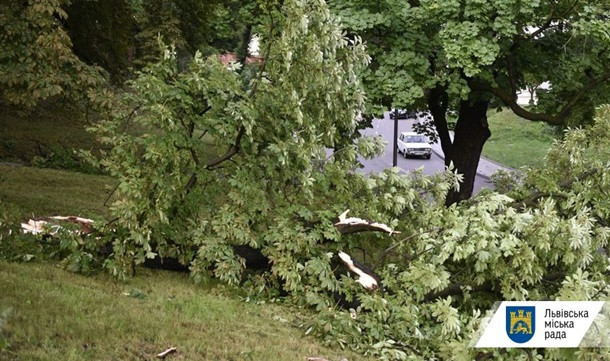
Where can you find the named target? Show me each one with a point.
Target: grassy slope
(57, 315)
(23, 136)
(517, 142)
(45, 192)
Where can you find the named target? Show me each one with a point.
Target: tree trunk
(438, 102)
(471, 133)
(243, 49)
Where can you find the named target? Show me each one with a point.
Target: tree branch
(565, 185)
(487, 286)
(230, 153)
(548, 23)
(389, 249)
(509, 99)
(457, 289)
(127, 119)
(348, 225)
(512, 78)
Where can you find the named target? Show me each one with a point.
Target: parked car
(414, 145)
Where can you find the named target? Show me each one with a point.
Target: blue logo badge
(520, 323)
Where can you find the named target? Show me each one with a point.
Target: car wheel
(428, 156)
(405, 154)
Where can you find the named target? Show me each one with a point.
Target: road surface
(435, 164)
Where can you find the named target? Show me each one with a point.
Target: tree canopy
(36, 61)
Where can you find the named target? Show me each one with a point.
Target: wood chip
(166, 352)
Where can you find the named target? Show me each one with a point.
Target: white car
(415, 145)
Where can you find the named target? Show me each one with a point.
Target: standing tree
(102, 34)
(191, 25)
(462, 54)
(36, 60)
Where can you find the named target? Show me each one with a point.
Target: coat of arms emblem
(520, 323)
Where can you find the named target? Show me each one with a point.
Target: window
(417, 139)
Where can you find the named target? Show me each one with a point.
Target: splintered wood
(348, 225)
(50, 225)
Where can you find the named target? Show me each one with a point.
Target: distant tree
(191, 25)
(239, 20)
(102, 34)
(215, 24)
(463, 54)
(157, 18)
(36, 58)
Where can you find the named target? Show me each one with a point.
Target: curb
(505, 167)
(483, 175)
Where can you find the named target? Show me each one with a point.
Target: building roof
(227, 58)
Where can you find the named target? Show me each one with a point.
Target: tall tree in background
(462, 54)
(157, 18)
(52, 48)
(191, 25)
(36, 58)
(102, 33)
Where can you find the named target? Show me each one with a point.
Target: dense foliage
(209, 157)
(180, 199)
(52, 48)
(36, 59)
(545, 239)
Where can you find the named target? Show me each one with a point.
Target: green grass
(51, 314)
(45, 192)
(26, 135)
(517, 142)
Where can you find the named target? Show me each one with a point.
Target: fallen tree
(217, 160)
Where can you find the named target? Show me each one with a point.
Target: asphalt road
(435, 164)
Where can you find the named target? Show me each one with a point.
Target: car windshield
(417, 139)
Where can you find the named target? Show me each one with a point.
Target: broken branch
(347, 225)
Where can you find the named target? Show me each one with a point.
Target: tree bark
(471, 133)
(244, 46)
(438, 102)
